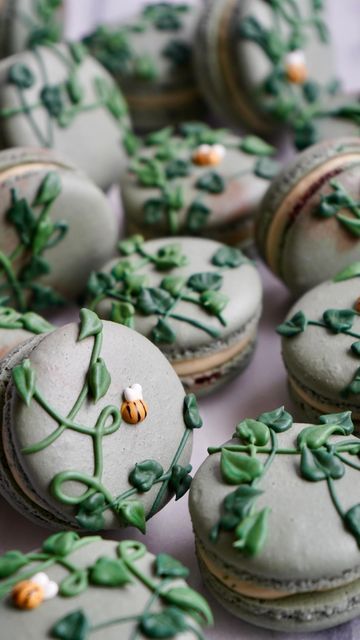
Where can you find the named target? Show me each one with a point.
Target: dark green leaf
(60, 544)
(99, 283)
(320, 464)
(351, 224)
(36, 324)
(315, 437)
(74, 584)
(77, 50)
(279, 420)
(131, 143)
(22, 217)
(168, 567)
(238, 505)
(205, 281)
(144, 474)
(99, 379)
(90, 324)
(177, 168)
(191, 413)
(237, 468)
(180, 480)
(305, 135)
(297, 324)
(166, 624)
(11, 562)
(49, 189)
(170, 256)
(191, 601)
(162, 333)
(159, 137)
(355, 348)
(266, 168)
(35, 268)
(311, 91)
(120, 271)
(134, 282)
(132, 513)
(197, 216)
(229, 257)
(154, 210)
(253, 432)
(251, 533)
(251, 29)
(152, 301)
(256, 146)
(178, 51)
(211, 182)
(109, 572)
(43, 232)
(353, 271)
(131, 244)
(52, 99)
(339, 320)
(21, 75)
(24, 379)
(123, 313)
(214, 301)
(74, 89)
(150, 173)
(90, 512)
(74, 626)
(354, 387)
(352, 522)
(341, 419)
(44, 297)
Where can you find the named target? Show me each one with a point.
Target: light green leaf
(24, 379)
(251, 533)
(90, 324)
(353, 271)
(133, 513)
(253, 432)
(60, 544)
(49, 189)
(168, 567)
(11, 562)
(256, 146)
(279, 420)
(237, 468)
(109, 572)
(205, 281)
(191, 602)
(339, 320)
(99, 379)
(162, 333)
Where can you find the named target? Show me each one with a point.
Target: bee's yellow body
(27, 594)
(134, 411)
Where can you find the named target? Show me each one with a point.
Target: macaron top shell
(310, 209)
(203, 269)
(320, 357)
(90, 583)
(300, 542)
(79, 380)
(196, 179)
(67, 94)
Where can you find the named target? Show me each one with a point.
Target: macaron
(308, 227)
(79, 588)
(197, 180)
(85, 438)
(197, 300)
(275, 513)
(16, 328)
(25, 24)
(321, 347)
(271, 68)
(54, 223)
(151, 57)
(59, 97)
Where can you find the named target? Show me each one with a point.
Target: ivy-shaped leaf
(90, 513)
(342, 419)
(159, 137)
(237, 505)
(99, 379)
(192, 602)
(354, 387)
(44, 297)
(132, 513)
(297, 324)
(266, 168)
(180, 480)
(169, 257)
(316, 437)
(279, 420)
(21, 76)
(229, 257)
(256, 146)
(355, 348)
(24, 379)
(74, 626)
(154, 210)
(214, 301)
(90, 324)
(166, 624)
(237, 468)
(150, 173)
(251, 533)
(178, 51)
(212, 182)
(36, 324)
(123, 313)
(145, 474)
(205, 281)
(173, 285)
(177, 168)
(11, 562)
(60, 544)
(168, 567)
(352, 522)
(197, 215)
(131, 143)
(191, 413)
(49, 189)
(109, 572)
(154, 300)
(353, 271)
(253, 432)
(22, 217)
(162, 333)
(320, 464)
(131, 244)
(338, 320)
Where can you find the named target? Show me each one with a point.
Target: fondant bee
(29, 594)
(134, 409)
(357, 305)
(295, 66)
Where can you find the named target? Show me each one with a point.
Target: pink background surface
(262, 386)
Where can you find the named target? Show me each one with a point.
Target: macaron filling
(318, 402)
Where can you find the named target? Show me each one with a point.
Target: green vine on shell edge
(320, 459)
(333, 204)
(41, 25)
(96, 499)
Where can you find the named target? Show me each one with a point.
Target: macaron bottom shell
(305, 612)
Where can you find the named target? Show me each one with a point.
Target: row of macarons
(275, 480)
(260, 63)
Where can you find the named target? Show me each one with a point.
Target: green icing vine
(180, 605)
(41, 25)
(164, 170)
(320, 459)
(297, 100)
(333, 204)
(29, 321)
(96, 499)
(130, 294)
(36, 234)
(115, 50)
(335, 322)
(61, 103)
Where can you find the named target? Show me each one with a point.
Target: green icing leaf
(354, 387)
(178, 51)
(74, 584)
(131, 143)
(197, 216)
(191, 413)
(251, 533)
(44, 297)
(90, 513)
(180, 480)
(191, 601)
(159, 137)
(173, 285)
(315, 437)
(205, 281)
(256, 146)
(109, 572)
(353, 271)
(214, 301)
(74, 626)
(279, 420)
(237, 505)
(154, 210)
(355, 348)
(211, 182)
(177, 169)
(174, 198)
(339, 320)
(352, 522)
(134, 282)
(311, 91)
(237, 468)
(52, 100)
(74, 89)
(351, 224)
(320, 464)
(162, 333)
(253, 432)
(170, 256)
(149, 172)
(166, 624)
(123, 313)
(22, 217)
(36, 324)
(229, 257)
(49, 189)
(132, 513)
(99, 379)
(266, 168)
(11, 562)
(145, 68)
(145, 474)
(60, 544)
(24, 379)
(90, 324)
(153, 300)
(296, 324)
(36, 267)
(21, 76)
(168, 567)
(130, 245)
(341, 419)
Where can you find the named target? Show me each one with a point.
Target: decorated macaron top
(194, 177)
(182, 293)
(123, 588)
(154, 46)
(280, 491)
(321, 342)
(98, 418)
